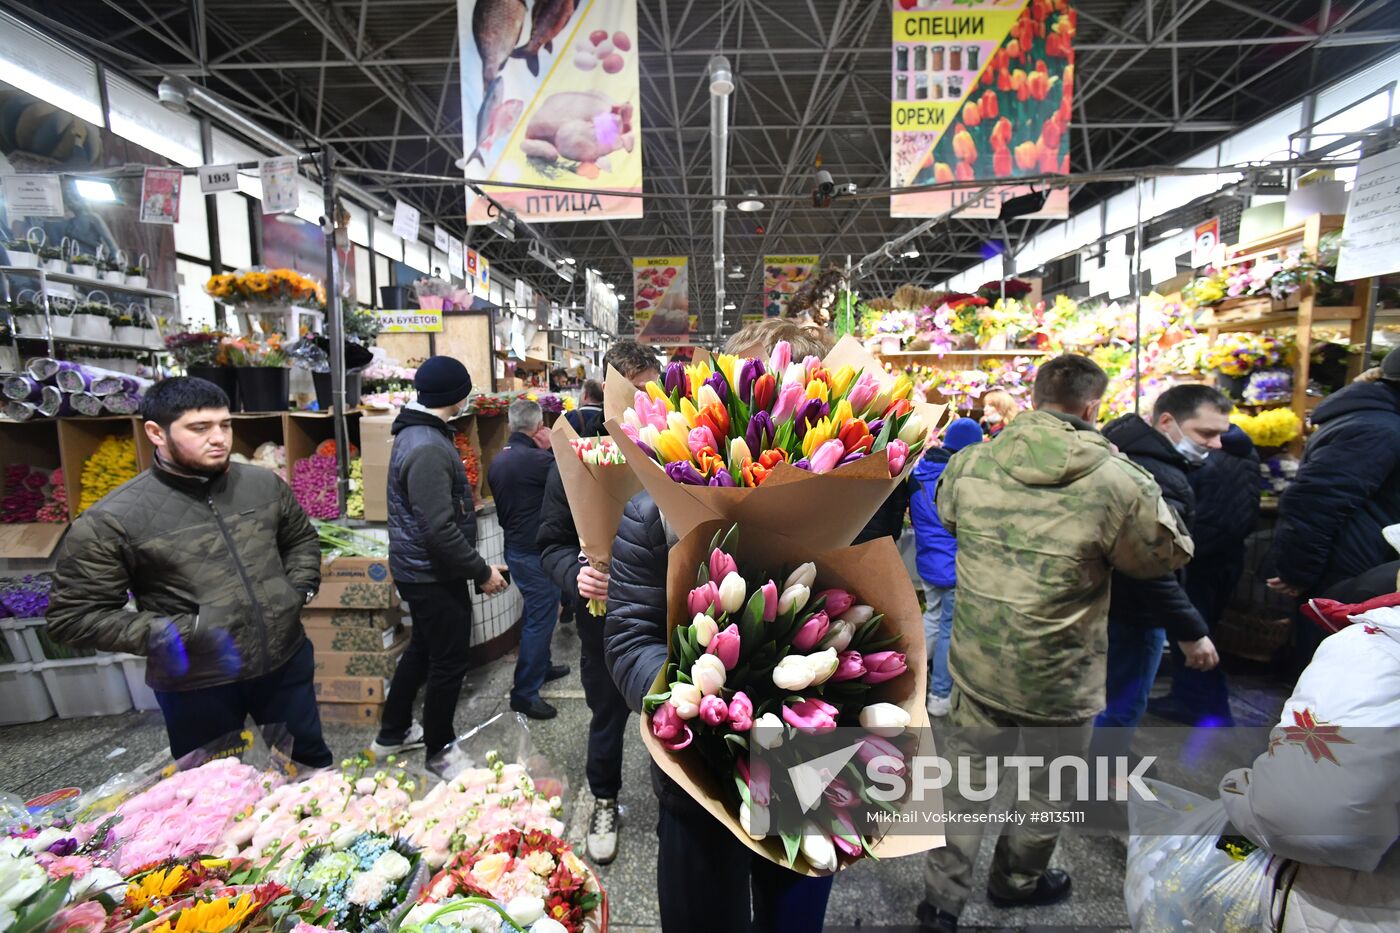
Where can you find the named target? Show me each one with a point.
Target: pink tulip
(884, 665)
(770, 600)
(846, 827)
(721, 565)
(87, 917)
(759, 778)
(849, 666)
(703, 597)
(863, 392)
(780, 358)
(789, 397)
(811, 632)
(725, 646)
(837, 601)
(873, 747)
(827, 457)
(699, 439)
(838, 793)
(714, 711)
(669, 728)
(898, 453)
(814, 717)
(741, 712)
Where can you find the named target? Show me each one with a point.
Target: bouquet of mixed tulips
(755, 664)
(707, 437)
(598, 483)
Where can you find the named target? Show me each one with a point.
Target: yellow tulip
(657, 393)
(671, 446)
(697, 373)
(818, 389)
(841, 380)
(903, 388)
(817, 434)
(689, 411)
(841, 413)
(675, 421)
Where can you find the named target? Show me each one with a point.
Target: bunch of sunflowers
(266, 286)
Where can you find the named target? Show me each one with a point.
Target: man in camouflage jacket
(220, 559)
(1042, 517)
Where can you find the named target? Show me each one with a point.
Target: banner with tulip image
(597, 483)
(981, 90)
(760, 671)
(761, 441)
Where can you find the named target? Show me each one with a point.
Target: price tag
(405, 220)
(441, 239)
(214, 178)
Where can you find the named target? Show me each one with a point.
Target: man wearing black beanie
(433, 558)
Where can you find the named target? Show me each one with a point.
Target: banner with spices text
(981, 89)
(661, 301)
(552, 98)
(782, 277)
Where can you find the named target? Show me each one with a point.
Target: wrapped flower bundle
(184, 814)
(25, 598)
(706, 439)
(362, 880)
(1273, 428)
(760, 660)
(33, 495)
(597, 483)
(113, 463)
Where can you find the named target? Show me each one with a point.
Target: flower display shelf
(34, 443)
(1280, 319)
(960, 354)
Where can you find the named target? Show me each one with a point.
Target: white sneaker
(414, 739)
(601, 844)
(938, 706)
(451, 762)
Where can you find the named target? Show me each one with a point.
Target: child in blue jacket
(937, 556)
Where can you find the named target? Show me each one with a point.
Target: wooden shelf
(1278, 319)
(956, 354)
(1287, 236)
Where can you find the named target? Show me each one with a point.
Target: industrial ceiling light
(751, 202)
(721, 77)
(735, 272)
(730, 306)
(1023, 205)
(1172, 232)
(569, 260)
(911, 253)
(173, 95)
(92, 190)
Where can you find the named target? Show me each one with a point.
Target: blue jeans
(1134, 654)
(541, 615)
(938, 631)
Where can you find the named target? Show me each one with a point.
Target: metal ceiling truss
(378, 80)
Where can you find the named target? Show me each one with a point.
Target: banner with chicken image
(551, 96)
(981, 89)
(782, 277)
(661, 301)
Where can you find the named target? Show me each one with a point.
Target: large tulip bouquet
(757, 660)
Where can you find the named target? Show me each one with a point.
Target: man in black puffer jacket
(1347, 489)
(1187, 424)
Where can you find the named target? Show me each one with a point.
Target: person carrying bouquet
(706, 879)
(937, 554)
(1042, 517)
(580, 582)
(220, 559)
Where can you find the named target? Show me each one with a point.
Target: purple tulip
(722, 478)
(849, 666)
(838, 793)
(808, 414)
(684, 472)
(716, 382)
(760, 433)
(804, 464)
(837, 601)
(675, 378)
(876, 426)
(749, 371)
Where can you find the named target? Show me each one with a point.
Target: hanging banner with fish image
(551, 96)
(981, 90)
(661, 301)
(782, 277)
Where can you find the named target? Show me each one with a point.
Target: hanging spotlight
(93, 190)
(721, 77)
(1023, 205)
(911, 253)
(751, 202)
(735, 272)
(173, 95)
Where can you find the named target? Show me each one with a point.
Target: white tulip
(857, 615)
(840, 634)
(686, 699)
(768, 731)
(706, 395)
(822, 665)
(795, 372)
(792, 673)
(818, 850)
(525, 909)
(913, 430)
(794, 597)
(754, 821)
(732, 592)
(705, 629)
(708, 675)
(675, 421)
(805, 575)
(548, 925)
(884, 719)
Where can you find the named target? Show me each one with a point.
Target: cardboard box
(375, 488)
(359, 663)
(351, 714)
(352, 639)
(378, 619)
(354, 569)
(376, 441)
(351, 689)
(355, 595)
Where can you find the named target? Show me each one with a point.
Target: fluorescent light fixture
(730, 306)
(751, 202)
(93, 190)
(1172, 232)
(569, 260)
(911, 254)
(611, 286)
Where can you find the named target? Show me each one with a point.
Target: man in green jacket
(220, 559)
(1042, 518)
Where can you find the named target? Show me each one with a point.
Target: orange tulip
(942, 174)
(1001, 133)
(1050, 133)
(1013, 49)
(1026, 156)
(988, 107)
(1049, 158)
(963, 146)
(854, 435)
(1001, 162)
(715, 417)
(971, 115)
(964, 172)
(1041, 67)
(1003, 80)
(1038, 85)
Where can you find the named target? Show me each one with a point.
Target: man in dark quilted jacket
(220, 559)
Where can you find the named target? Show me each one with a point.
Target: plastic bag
(304, 354)
(1176, 876)
(505, 736)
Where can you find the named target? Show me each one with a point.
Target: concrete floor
(879, 896)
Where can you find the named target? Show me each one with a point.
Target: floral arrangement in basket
(1273, 428)
(1238, 355)
(266, 286)
(362, 879)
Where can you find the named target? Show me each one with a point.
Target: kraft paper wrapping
(597, 494)
(875, 574)
(830, 508)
